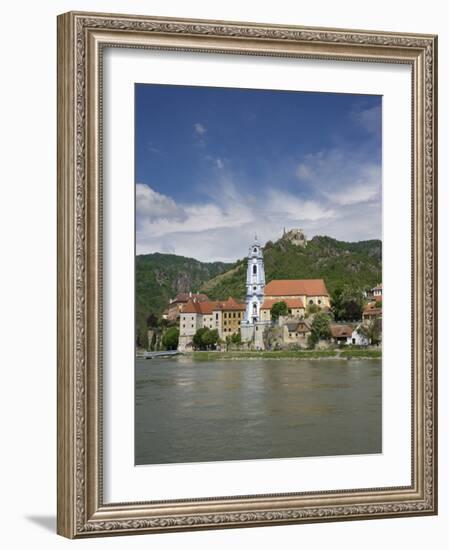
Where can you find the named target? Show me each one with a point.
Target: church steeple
(255, 282)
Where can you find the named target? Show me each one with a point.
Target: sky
(216, 166)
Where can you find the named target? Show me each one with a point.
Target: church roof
(207, 308)
(292, 303)
(296, 287)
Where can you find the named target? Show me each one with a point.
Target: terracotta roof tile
(184, 297)
(191, 307)
(340, 331)
(292, 303)
(296, 287)
(208, 307)
(372, 309)
(231, 304)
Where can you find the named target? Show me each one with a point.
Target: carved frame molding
(81, 39)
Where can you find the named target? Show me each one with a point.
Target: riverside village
(285, 317)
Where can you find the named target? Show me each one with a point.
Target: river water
(201, 411)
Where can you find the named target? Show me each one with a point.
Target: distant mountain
(160, 277)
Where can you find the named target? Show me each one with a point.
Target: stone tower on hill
(295, 236)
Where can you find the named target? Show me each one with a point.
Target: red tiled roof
(292, 303)
(191, 307)
(206, 308)
(296, 287)
(184, 297)
(340, 331)
(230, 305)
(372, 309)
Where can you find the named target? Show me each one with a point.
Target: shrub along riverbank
(302, 354)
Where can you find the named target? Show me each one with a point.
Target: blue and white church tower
(255, 283)
(252, 327)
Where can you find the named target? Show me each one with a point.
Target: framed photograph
(247, 282)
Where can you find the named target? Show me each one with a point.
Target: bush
(170, 338)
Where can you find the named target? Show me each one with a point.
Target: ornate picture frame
(82, 38)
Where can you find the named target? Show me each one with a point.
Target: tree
(151, 321)
(142, 336)
(205, 338)
(210, 338)
(170, 338)
(320, 328)
(372, 331)
(198, 338)
(311, 309)
(278, 309)
(347, 303)
(153, 342)
(236, 338)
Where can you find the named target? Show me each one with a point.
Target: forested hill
(337, 262)
(160, 277)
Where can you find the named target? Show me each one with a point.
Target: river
(201, 411)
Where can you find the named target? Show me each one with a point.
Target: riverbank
(300, 354)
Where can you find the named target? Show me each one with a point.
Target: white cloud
(200, 129)
(303, 171)
(152, 206)
(292, 208)
(341, 177)
(339, 195)
(369, 119)
(221, 227)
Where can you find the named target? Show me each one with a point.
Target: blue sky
(214, 166)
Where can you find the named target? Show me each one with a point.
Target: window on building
(310, 302)
(254, 269)
(319, 301)
(255, 250)
(216, 316)
(183, 326)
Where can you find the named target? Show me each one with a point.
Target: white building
(255, 283)
(253, 326)
(357, 338)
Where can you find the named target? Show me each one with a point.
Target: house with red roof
(225, 316)
(180, 300)
(307, 291)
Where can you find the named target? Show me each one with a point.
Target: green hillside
(336, 262)
(160, 277)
